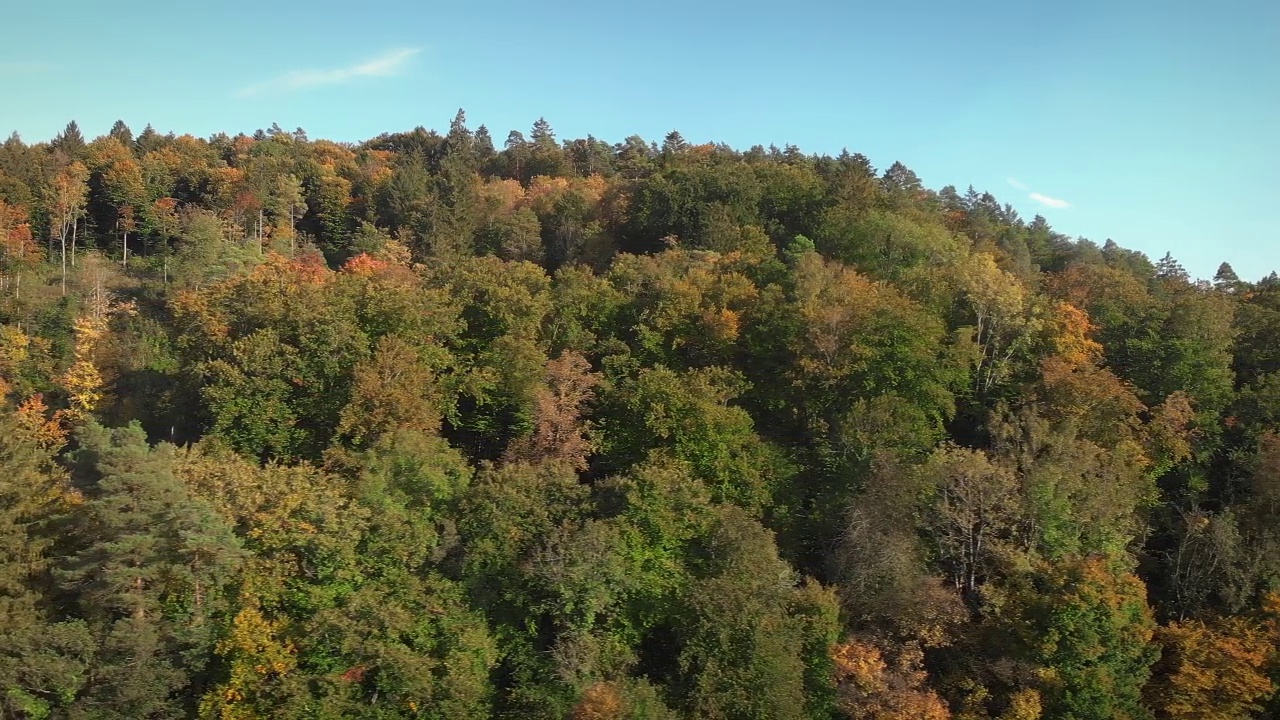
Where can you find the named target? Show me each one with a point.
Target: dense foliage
(423, 428)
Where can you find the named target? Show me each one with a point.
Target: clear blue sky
(1157, 122)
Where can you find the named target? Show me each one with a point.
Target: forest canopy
(433, 427)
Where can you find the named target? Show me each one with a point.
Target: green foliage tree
(1088, 628)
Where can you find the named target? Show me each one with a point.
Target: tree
(542, 132)
(749, 629)
(869, 689)
(70, 141)
(122, 133)
(672, 145)
(1170, 269)
(972, 514)
(392, 391)
(690, 414)
(148, 576)
(128, 223)
(331, 198)
(1225, 279)
(205, 253)
(1004, 321)
(65, 200)
(559, 432)
(287, 205)
(119, 187)
(166, 225)
(516, 156)
(1087, 626)
(901, 183)
(483, 143)
(1211, 671)
(42, 661)
(18, 250)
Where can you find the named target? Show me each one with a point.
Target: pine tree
(1226, 278)
(148, 576)
(40, 661)
(70, 140)
(121, 132)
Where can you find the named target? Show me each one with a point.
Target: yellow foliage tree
(1023, 705)
(1212, 671)
(1072, 337)
(1005, 317)
(255, 655)
(868, 688)
(82, 382)
(17, 246)
(13, 352)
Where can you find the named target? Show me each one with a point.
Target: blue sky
(1153, 123)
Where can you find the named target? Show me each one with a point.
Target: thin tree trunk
(17, 273)
(139, 612)
(64, 264)
(75, 225)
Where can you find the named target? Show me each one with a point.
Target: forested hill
(421, 428)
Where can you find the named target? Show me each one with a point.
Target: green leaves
(1089, 628)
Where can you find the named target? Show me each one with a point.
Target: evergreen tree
(121, 132)
(148, 577)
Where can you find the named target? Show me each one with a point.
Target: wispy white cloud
(1050, 201)
(384, 65)
(1038, 197)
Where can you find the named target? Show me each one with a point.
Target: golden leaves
(256, 653)
(868, 688)
(1072, 337)
(81, 381)
(502, 196)
(391, 391)
(1212, 671)
(33, 415)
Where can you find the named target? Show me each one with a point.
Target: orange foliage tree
(1212, 670)
(868, 688)
(558, 430)
(18, 250)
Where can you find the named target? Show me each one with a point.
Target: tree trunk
(139, 611)
(75, 225)
(64, 263)
(17, 272)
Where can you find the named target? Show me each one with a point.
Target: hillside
(427, 428)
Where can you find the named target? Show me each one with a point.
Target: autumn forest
(432, 426)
